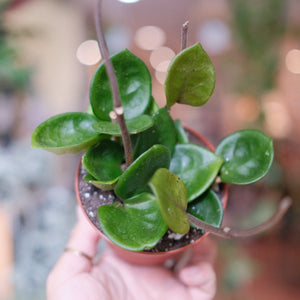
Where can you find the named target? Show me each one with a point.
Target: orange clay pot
(151, 258)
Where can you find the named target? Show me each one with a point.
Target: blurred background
(48, 54)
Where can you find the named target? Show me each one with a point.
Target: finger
(205, 251)
(200, 280)
(84, 238)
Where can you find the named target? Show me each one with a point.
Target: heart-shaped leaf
(248, 156)
(172, 198)
(134, 126)
(138, 174)
(136, 225)
(196, 166)
(163, 132)
(190, 77)
(67, 133)
(103, 185)
(134, 82)
(208, 208)
(182, 137)
(103, 161)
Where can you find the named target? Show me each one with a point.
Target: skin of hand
(76, 277)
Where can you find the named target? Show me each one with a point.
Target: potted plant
(151, 174)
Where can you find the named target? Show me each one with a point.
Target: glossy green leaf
(134, 126)
(66, 133)
(196, 166)
(153, 107)
(103, 185)
(208, 208)
(166, 130)
(248, 156)
(103, 161)
(172, 198)
(134, 82)
(163, 132)
(135, 225)
(182, 136)
(138, 174)
(190, 77)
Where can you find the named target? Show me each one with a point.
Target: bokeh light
(247, 108)
(215, 36)
(277, 119)
(117, 38)
(150, 37)
(88, 53)
(292, 61)
(160, 76)
(160, 58)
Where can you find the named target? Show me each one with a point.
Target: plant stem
(227, 232)
(184, 31)
(118, 109)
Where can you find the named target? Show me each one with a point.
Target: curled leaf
(134, 126)
(103, 185)
(103, 161)
(67, 133)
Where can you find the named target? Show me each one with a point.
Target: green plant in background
(13, 77)
(136, 149)
(14, 81)
(258, 27)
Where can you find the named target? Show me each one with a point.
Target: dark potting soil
(92, 197)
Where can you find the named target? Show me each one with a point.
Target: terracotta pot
(151, 258)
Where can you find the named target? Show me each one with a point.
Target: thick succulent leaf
(134, 126)
(190, 77)
(135, 225)
(196, 166)
(103, 185)
(182, 137)
(134, 82)
(66, 133)
(208, 208)
(103, 161)
(248, 156)
(163, 132)
(138, 174)
(172, 198)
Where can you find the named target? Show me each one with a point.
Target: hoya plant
(134, 148)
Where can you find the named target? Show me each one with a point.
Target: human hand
(76, 277)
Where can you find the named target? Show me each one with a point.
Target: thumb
(200, 279)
